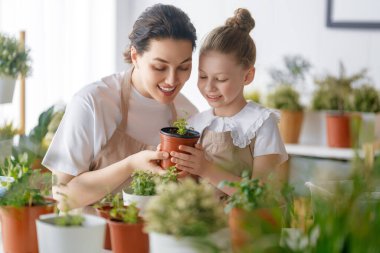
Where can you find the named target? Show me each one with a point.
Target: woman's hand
(147, 160)
(194, 162)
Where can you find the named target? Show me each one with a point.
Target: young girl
(236, 135)
(109, 125)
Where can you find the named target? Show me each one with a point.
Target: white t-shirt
(92, 116)
(252, 121)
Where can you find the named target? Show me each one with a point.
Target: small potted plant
(253, 95)
(7, 132)
(254, 215)
(21, 205)
(74, 233)
(182, 214)
(14, 60)
(126, 228)
(366, 101)
(143, 186)
(103, 208)
(333, 95)
(173, 137)
(286, 98)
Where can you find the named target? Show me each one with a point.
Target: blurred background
(74, 43)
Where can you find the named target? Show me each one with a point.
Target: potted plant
(74, 233)
(14, 60)
(7, 132)
(333, 95)
(366, 101)
(21, 205)
(126, 228)
(38, 140)
(253, 95)
(285, 96)
(103, 208)
(181, 215)
(173, 137)
(255, 217)
(143, 186)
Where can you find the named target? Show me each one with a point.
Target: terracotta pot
(128, 238)
(246, 227)
(37, 165)
(338, 130)
(18, 227)
(290, 125)
(104, 212)
(170, 141)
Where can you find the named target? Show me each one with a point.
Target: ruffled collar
(243, 125)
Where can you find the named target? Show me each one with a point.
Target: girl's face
(162, 70)
(221, 81)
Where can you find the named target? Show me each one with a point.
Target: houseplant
(14, 60)
(126, 228)
(182, 214)
(253, 95)
(173, 137)
(332, 95)
(75, 233)
(255, 218)
(143, 186)
(22, 204)
(7, 132)
(285, 96)
(103, 208)
(366, 101)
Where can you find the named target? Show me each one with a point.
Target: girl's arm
(88, 187)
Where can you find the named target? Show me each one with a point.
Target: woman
(109, 125)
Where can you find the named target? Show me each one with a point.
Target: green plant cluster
(126, 214)
(38, 140)
(365, 99)
(7, 131)
(185, 209)
(333, 93)
(69, 220)
(249, 193)
(253, 95)
(181, 125)
(285, 96)
(29, 186)
(13, 59)
(144, 182)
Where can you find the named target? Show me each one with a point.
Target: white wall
(76, 42)
(282, 28)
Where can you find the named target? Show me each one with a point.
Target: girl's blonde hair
(233, 38)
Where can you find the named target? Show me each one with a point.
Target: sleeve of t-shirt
(268, 140)
(72, 148)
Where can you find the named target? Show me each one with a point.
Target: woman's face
(162, 70)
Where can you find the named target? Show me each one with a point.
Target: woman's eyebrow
(165, 61)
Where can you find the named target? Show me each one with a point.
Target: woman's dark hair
(233, 38)
(160, 21)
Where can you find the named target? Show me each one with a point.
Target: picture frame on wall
(357, 14)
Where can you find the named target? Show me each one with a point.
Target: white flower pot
(141, 201)
(87, 238)
(7, 87)
(159, 243)
(4, 182)
(5, 149)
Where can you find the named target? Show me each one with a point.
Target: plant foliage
(7, 131)
(13, 59)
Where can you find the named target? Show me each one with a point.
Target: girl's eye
(202, 77)
(221, 80)
(184, 68)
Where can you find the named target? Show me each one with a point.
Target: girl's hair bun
(242, 20)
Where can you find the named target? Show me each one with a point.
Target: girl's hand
(194, 162)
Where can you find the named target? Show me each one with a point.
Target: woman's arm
(88, 187)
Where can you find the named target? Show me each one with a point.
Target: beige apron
(121, 145)
(220, 150)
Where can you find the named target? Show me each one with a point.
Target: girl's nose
(210, 86)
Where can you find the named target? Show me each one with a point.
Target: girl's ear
(134, 55)
(249, 76)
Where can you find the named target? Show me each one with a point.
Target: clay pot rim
(191, 134)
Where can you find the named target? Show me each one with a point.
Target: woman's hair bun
(242, 20)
